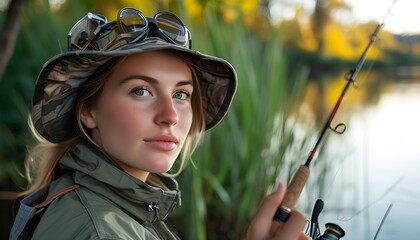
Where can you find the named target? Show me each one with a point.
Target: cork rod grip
(295, 187)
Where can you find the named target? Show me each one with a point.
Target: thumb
(261, 224)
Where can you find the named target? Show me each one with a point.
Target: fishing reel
(332, 231)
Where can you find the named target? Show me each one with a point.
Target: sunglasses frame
(151, 25)
(89, 18)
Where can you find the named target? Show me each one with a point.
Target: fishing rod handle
(292, 194)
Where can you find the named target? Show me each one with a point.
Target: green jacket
(109, 204)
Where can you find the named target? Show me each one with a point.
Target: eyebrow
(153, 80)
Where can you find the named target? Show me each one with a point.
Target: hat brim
(57, 88)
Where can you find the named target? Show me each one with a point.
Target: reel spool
(332, 232)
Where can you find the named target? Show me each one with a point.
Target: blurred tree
(298, 34)
(9, 32)
(322, 17)
(221, 195)
(335, 43)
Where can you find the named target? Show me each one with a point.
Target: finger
(276, 226)
(293, 228)
(261, 224)
(302, 236)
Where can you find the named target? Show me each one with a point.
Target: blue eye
(181, 95)
(142, 92)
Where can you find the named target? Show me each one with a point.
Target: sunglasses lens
(94, 32)
(173, 28)
(82, 32)
(132, 21)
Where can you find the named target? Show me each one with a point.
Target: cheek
(119, 120)
(128, 115)
(186, 118)
(189, 117)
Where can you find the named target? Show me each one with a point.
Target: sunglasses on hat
(94, 32)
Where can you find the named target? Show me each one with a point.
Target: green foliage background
(236, 164)
(259, 142)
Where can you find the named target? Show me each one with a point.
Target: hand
(263, 227)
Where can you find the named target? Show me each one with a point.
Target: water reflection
(375, 163)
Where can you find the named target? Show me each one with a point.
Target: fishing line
(388, 13)
(356, 84)
(298, 181)
(383, 220)
(346, 219)
(332, 181)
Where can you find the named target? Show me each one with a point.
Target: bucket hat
(58, 84)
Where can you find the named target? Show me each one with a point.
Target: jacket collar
(147, 202)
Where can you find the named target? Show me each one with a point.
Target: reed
(238, 162)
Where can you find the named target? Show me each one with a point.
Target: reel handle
(314, 227)
(292, 194)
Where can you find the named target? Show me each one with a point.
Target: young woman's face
(144, 113)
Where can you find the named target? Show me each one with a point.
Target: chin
(166, 169)
(162, 167)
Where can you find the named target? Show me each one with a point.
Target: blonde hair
(42, 160)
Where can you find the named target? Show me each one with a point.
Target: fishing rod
(298, 181)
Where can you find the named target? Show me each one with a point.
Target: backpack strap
(64, 191)
(31, 210)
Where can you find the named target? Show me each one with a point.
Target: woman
(112, 116)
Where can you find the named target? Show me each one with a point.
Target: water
(380, 170)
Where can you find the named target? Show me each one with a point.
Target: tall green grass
(240, 159)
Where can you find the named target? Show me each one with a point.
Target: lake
(375, 167)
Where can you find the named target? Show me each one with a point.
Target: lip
(162, 142)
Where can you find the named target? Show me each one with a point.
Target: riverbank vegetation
(260, 140)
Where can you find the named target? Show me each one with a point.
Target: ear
(88, 118)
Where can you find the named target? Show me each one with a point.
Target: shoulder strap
(31, 211)
(56, 195)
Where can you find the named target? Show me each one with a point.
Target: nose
(167, 113)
